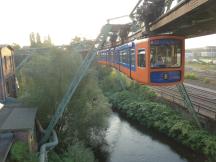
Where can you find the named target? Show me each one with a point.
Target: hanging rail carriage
(155, 61)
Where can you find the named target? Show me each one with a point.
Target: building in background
(7, 73)
(206, 54)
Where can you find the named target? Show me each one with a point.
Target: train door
(141, 62)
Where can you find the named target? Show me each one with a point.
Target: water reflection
(129, 143)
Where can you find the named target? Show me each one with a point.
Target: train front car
(155, 61)
(166, 60)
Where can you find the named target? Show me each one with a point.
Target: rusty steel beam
(178, 12)
(118, 27)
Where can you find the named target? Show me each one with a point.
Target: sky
(65, 19)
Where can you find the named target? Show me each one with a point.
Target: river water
(127, 142)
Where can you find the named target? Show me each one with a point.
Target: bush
(77, 152)
(191, 76)
(20, 153)
(206, 80)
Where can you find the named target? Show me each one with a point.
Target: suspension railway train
(155, 61)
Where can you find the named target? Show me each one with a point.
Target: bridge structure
(189, 18)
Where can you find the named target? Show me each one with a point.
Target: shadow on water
(106, 153)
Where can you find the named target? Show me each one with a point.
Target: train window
(108, 56)
(120, 57)
(132, 57)
(166, 53)
(103, 56)
(115, 57)
(141, 57)
(124, 57)
(98, 55)
(112, 57)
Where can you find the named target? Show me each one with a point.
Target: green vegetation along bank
(43, 82)
(139, 103)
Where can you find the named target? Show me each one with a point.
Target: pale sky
(64, 19)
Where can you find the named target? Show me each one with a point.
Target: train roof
(136, 41)
(126, 45)
(140, 40)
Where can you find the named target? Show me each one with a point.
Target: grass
(202, 66)
(206, 80)
(191, 76)
(20, 153)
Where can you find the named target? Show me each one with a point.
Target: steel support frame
(188, 103)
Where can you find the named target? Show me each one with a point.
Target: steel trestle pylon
(188, 103)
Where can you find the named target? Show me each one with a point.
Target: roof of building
(18, 119)
(15, 117)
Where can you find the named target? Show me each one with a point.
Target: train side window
(141, 57)
(178, 57)
(125, 56)
(108, 56)
(112, 57)
(98, 55)
(132, 57)
(121, 57)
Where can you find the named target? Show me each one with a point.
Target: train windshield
(166, 53)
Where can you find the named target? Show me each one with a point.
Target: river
(127, 142)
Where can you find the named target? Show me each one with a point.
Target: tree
(47, 41)
(32, 39)
(15, 46)
(76, 39)
(43, 82)
(35, 40)
(38, 39)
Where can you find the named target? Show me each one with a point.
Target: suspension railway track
(203, 99)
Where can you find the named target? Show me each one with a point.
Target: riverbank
(138, 103)
(164, 119)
